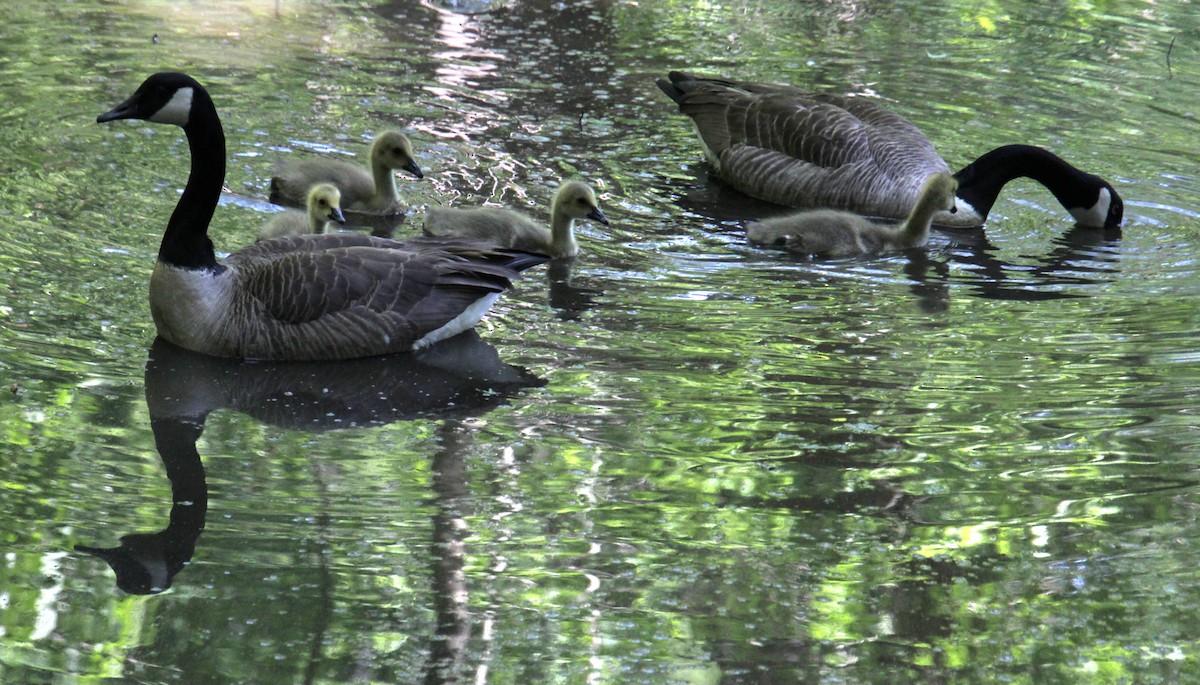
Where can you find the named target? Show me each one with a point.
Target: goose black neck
(979, 182)
(185, 243)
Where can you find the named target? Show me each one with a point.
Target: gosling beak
(597, 215)
(413, 169)
(335, 214)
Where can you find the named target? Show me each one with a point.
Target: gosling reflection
(568, 301)
(457, 378)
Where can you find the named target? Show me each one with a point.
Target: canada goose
(367, 192)
(838, 233)
(574, 200)
(780, 144)
(328, 296)
(323, 206)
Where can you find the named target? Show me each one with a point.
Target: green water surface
(689, 461)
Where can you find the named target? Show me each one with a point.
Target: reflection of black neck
(463, 376)
(146, 563)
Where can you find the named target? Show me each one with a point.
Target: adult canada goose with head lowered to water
(323, 206)
(799, 149)
(363, 191)
(310, 297)
(839, 233)
(574, 200)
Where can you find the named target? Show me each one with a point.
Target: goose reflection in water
(457, 378)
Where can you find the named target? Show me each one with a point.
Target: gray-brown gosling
(323, 207)
(506, 228)
(363, 191)
(837, 233)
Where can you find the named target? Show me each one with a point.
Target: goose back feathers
(799, 149)
(328, 296)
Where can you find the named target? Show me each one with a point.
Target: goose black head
(164, 98)
(1108, 211)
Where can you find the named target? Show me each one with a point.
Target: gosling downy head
(393, 150)
(577, 200)
(324, 204)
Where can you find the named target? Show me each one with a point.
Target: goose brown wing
(403, 289)
(782, 145)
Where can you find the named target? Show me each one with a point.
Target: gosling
(506, 228)
(323, 206)
(835, 233)
(363, 191)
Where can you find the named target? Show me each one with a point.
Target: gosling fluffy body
(363, 191)
(506, 228)
(323, 206)
(836, 233)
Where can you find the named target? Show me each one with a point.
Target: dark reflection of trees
(914, 595)
(459, 378)
(543, 42)
(447, 553)
(545, 56)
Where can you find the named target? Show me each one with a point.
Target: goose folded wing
(409, 289)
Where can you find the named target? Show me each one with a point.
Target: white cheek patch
(964, 208)
(1097, 214)
(176, 111)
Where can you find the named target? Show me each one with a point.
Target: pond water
(685, 460)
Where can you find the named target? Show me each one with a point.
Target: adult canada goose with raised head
(324, 205)
(839, 233)
(363, 191)
(784, 145)
(574, 200)
(328, 296)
